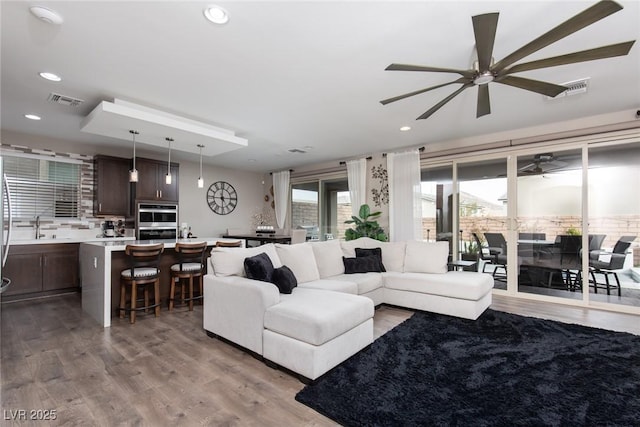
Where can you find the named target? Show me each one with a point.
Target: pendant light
(167, 177)
(133, 173)
(200, 180)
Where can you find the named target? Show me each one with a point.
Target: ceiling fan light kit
(485, 71)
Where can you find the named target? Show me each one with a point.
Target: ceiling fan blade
(544, 88)
(417, 92)
(484, 105)
(610, 51)
(587, 17)
(444, 101)
(407, 67)
(484, 29)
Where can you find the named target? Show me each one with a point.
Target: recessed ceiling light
(32, 117)
(50, 76)
(405, 128)
(46, 15)
(216, 14)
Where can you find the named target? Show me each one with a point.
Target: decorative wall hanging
(222, 198)
(380, 196)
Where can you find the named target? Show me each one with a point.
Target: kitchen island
(100, 266)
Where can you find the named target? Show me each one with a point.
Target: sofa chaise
(328, 316)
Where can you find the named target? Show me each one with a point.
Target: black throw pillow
(259, 267)
(362, 252)
(284, 279)
(365, 264)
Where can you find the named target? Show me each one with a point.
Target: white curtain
(281, 195)
(405, 206)
(357, 178)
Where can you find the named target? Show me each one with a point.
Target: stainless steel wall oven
(156, 221)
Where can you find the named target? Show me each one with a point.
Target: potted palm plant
(365, 225)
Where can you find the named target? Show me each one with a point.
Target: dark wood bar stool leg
(191, 257)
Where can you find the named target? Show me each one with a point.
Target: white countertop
(71, 240)
(119, 245)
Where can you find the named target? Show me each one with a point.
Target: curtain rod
(342, 163)
(290, 170)
(421, 149)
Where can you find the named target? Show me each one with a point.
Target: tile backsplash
(86, 226)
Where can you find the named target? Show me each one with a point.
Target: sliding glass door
(437, 202)
(482, 216)
(614, 224)
(305, 215)
(549, 217)
(559, 222)
(321, 207)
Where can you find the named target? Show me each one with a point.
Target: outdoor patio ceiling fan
(486, 71)
(542, 163)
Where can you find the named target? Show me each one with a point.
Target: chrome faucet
(38, 235)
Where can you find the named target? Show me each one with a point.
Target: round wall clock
(222, 198)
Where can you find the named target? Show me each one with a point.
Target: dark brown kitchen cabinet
(41, 269)
(112, 188)
(151, 183)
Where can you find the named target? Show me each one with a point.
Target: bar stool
(142, 274)
(229, 244)
(191, 264)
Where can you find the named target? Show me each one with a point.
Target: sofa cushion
(230, 261)
(376, 252)
(300, 259)
(328, 256)
(426, 257)
(316, 317)
(362, 265)
(467, 285)
(344, 286)
(349, 246)
(393, 255)
(258, 267)
(392, 252)
(284, 279)
(366, 282)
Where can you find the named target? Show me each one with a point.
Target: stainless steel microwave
(156, 221)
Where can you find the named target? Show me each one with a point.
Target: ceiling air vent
(64, 100)
(573, 88)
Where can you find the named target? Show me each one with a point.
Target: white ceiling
(305, 75)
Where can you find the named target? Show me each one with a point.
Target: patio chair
(610, 267)
(497, 246)
(595, 245)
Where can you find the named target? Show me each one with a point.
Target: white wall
(195, 211)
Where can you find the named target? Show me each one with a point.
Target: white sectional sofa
(328, 317)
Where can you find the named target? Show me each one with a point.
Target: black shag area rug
(500, 370)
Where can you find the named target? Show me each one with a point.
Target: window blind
(43, 187)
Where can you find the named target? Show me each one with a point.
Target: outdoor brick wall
(613, 226)
(306, 214)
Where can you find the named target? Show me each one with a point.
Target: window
(43, 187)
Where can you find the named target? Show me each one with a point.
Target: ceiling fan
(542, 163)
(485, 72)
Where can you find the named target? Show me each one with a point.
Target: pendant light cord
(134, 133)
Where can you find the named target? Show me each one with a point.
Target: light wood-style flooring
(166, 371)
